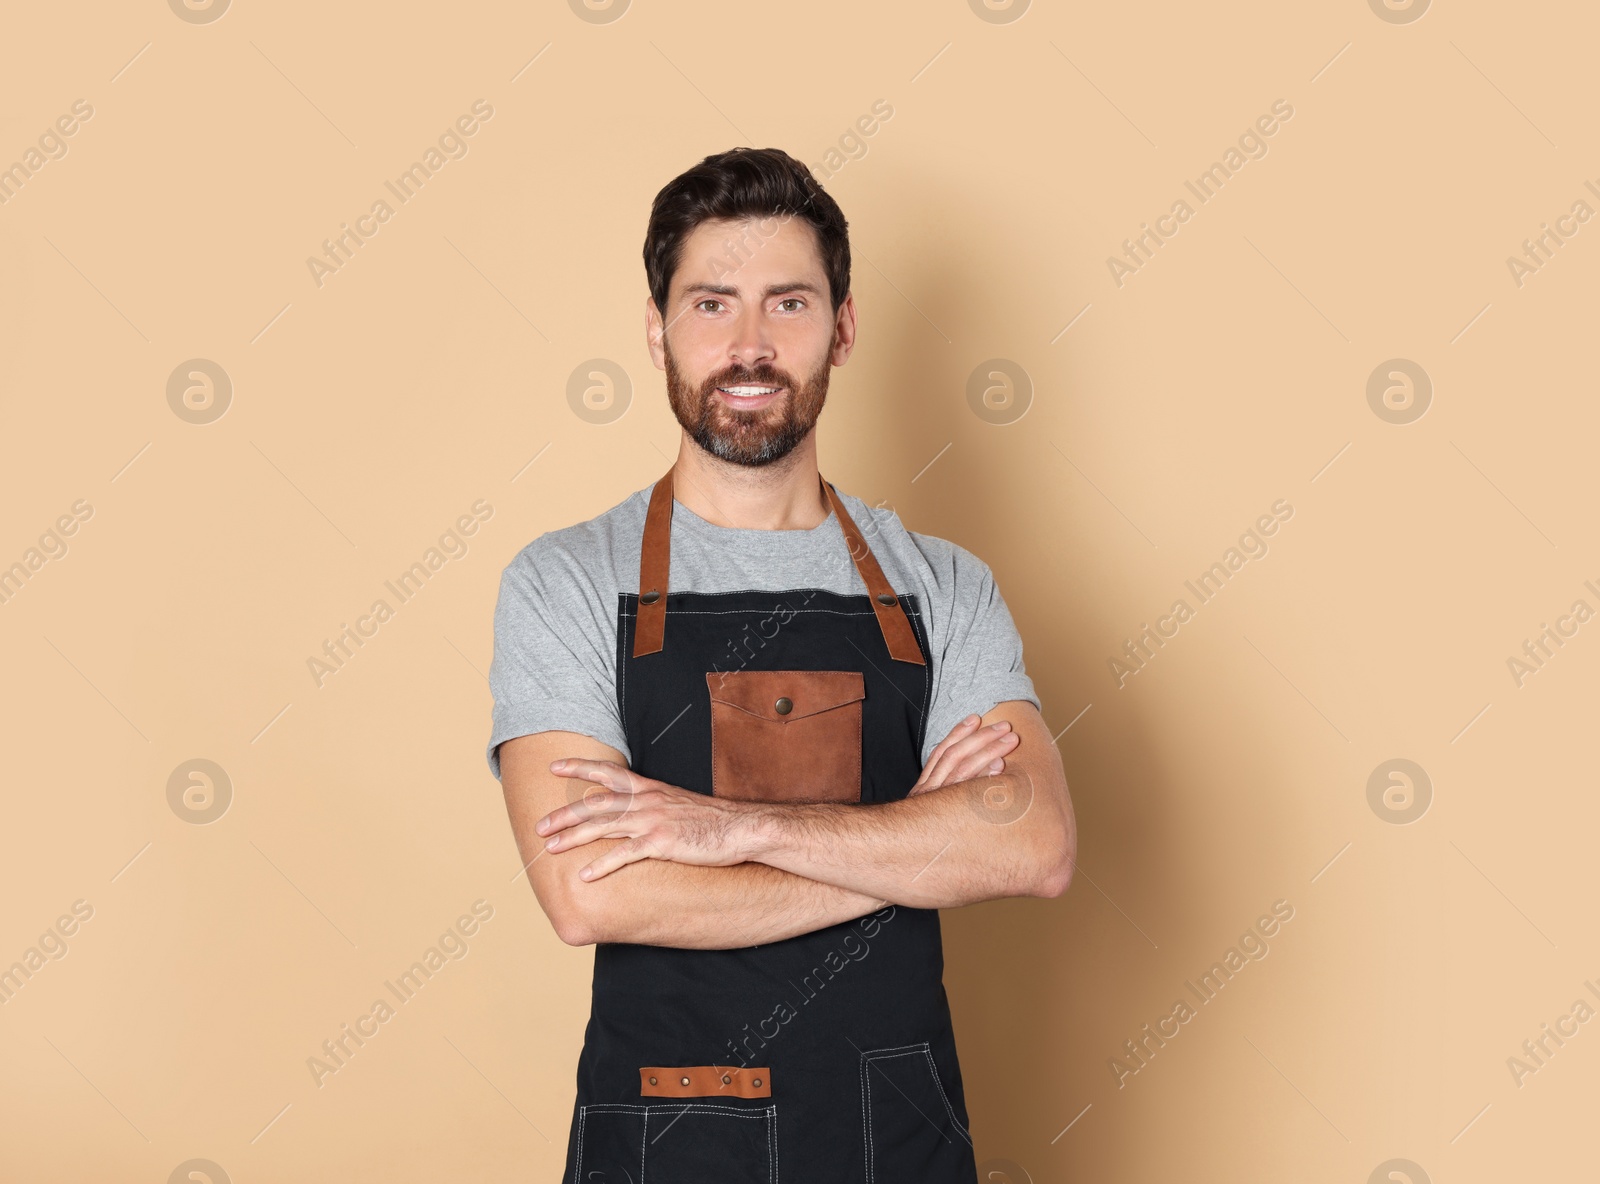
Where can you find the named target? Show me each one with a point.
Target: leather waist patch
(704, 1081)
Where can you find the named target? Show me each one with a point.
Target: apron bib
(826, 1058)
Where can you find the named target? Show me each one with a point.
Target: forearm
(661, 903)
(655, 901)
(1009, 833)
(982, 839)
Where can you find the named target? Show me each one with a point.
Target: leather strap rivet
(649, 597)
(683, 1081)
(652, 1081)
(756, 1082)
(726, 1079)
(886, 600)
(784, 705)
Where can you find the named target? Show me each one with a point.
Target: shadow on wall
(1028, 980)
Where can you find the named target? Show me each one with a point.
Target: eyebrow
(771, 289)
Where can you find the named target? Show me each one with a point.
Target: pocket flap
(806, 692)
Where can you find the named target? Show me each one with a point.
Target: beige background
(367, 414)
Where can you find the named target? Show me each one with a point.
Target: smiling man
(748, 754)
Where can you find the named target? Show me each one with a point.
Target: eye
(702, 304)
(792, 300)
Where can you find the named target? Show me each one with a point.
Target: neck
(785, 495)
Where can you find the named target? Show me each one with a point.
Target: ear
(653, 333)
(844, 331)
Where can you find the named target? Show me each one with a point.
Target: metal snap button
(885, 599)
(652, 1081)
(756, 1082)
(649, 597)
(784, 706)
(683, 1081)
(726, 1079)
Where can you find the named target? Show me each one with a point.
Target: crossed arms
(636, 860)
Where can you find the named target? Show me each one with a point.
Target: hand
(967, 752)
(657, 820)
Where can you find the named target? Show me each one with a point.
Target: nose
(752, 343)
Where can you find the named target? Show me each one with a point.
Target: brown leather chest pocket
(786, 735)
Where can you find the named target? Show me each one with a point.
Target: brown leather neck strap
(655, 561)
(892, 619)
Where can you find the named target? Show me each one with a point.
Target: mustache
(760, 376)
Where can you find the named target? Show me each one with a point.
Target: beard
(751, 438)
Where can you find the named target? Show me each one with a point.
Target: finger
(938, 770)
(994, 768)
(935, 772)
(619, 827)
(947, 769)
(956, 733)
(977, 761)
(973, 756)
(602, 801)
(619, 856)
(607, 773)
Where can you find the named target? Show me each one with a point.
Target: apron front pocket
(912, 1132)
(786, 735)
(676, 1143)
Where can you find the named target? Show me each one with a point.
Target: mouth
(749, 396)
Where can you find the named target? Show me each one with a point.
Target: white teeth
(748, 390)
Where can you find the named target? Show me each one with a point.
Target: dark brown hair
(738, 184)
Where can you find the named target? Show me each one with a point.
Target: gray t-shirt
(555, 624)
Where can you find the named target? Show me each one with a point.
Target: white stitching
(577, 1162)
(626, 653)
(927, 689)
(859, 756)
(927, 681)
(742, 591)
(912, 612)
(714, 761)
(726, 612)
(729, 1109)
(769, 1114)
(949, 1109)
(867, 1058)
(866, 1076)
(769, 592)
(887, 1054)
(866, 1115)
(866, 1149)
(910, 1052)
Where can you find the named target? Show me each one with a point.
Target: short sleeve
(554, 665)
(977, 650)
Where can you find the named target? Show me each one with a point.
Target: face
(750, 338)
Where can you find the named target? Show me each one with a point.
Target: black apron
(826, 1058)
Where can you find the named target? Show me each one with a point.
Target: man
(748, 754)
